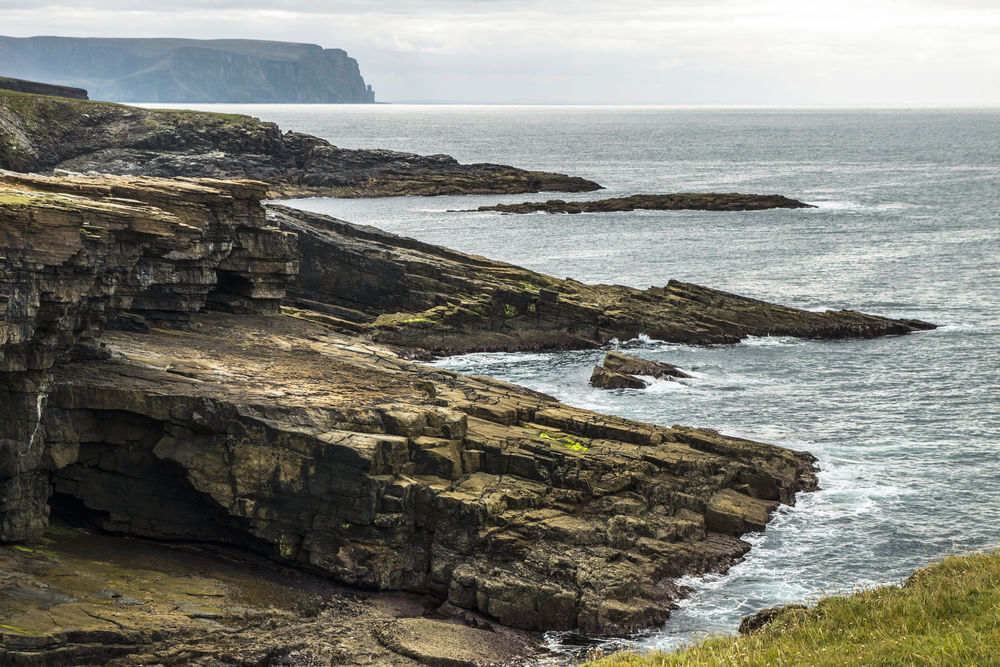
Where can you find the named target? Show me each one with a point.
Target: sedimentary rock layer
(276, 435)
(428, 300)
(76, 252)
(41, 133)
(732, 201)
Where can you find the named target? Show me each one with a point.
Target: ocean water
(906, 429)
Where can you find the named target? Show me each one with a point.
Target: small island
(709, 201)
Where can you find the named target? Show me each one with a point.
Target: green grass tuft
(945, 614)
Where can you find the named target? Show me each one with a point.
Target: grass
(945, 614)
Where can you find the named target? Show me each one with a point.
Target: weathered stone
(604, 378)
(623, 363)
(296, 437)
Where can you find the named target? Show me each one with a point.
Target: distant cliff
(188, 70)
(37, 88)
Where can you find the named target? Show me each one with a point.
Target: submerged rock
(674, 202)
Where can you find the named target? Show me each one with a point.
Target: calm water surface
(907, 429)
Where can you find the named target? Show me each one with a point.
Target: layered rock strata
(78, 252)
(79, 597)
(430, 300)
(731, 201)
(43, 133)
(273, 434)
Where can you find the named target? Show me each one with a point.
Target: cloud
(634, 51)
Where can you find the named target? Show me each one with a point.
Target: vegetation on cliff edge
(945, 614)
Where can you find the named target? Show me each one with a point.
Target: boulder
(604, 378)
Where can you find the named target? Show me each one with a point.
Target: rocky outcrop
(275, 435)
(154, 386)
(36, 88)
(429, 300)
(675, 202)
(43, 133)
(619, 370)
(189, 70)
(281, 436)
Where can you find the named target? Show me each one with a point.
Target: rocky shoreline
(732, 201)
(180, 363)
(40, 133)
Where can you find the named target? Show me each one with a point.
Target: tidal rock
(42, 133)
(209, 415)
(623, 363)
(605, 378)
(732, 201)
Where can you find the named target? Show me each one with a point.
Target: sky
(760, 52)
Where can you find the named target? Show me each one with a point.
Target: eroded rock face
(618, 371)
(623, 363)
(430, 300)
(77, 251)
(274, 434)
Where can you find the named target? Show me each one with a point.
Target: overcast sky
(937, 52)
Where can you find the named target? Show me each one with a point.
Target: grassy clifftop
(945, 614)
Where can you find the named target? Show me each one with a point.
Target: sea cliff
(188, 70)
(156, 383)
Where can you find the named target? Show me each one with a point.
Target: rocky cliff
(151, 387)
(42, 133)
(188, 70)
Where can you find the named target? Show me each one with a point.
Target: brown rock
(764, 617)
(623, 363)
(604, 378)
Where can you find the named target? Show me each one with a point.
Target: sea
(906, 224)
